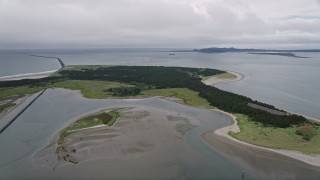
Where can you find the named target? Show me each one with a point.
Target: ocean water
(288, 83)
(20, 62)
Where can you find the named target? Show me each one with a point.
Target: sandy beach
(27, 76)
(214, 80)
(223, 132)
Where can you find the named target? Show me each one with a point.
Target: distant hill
(225, 50)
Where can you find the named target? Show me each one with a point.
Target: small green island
(106, 118)
(258, 123)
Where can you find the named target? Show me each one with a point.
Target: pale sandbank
(212, 81)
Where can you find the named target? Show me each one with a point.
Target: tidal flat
(144, 142)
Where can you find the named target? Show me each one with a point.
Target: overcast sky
(159, 23)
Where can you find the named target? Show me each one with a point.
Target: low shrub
(306, 131)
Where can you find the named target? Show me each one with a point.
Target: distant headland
(277, 52)
(232, 49)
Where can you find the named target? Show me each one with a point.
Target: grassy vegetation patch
(100, 89)
(279, 138)
(82, 67)
(306, 131)
(106, 118)
(124, 91)
(91, 88)
(5, 107)
(188, 96)
(16, 91)
(61, 149)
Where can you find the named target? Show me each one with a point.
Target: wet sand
(260, 162)
(140, 136)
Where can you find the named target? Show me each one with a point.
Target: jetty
(50, 57)
(20, 112)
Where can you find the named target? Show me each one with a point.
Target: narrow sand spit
(310, 159)
(214, 80)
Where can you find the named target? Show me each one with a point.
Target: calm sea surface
(288, 83)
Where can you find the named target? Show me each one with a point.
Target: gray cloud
(158, 23)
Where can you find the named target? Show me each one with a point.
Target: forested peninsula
(151, 77)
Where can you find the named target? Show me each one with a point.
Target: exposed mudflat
(140, 133)
(260, 162)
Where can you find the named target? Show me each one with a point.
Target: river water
(288, 83)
